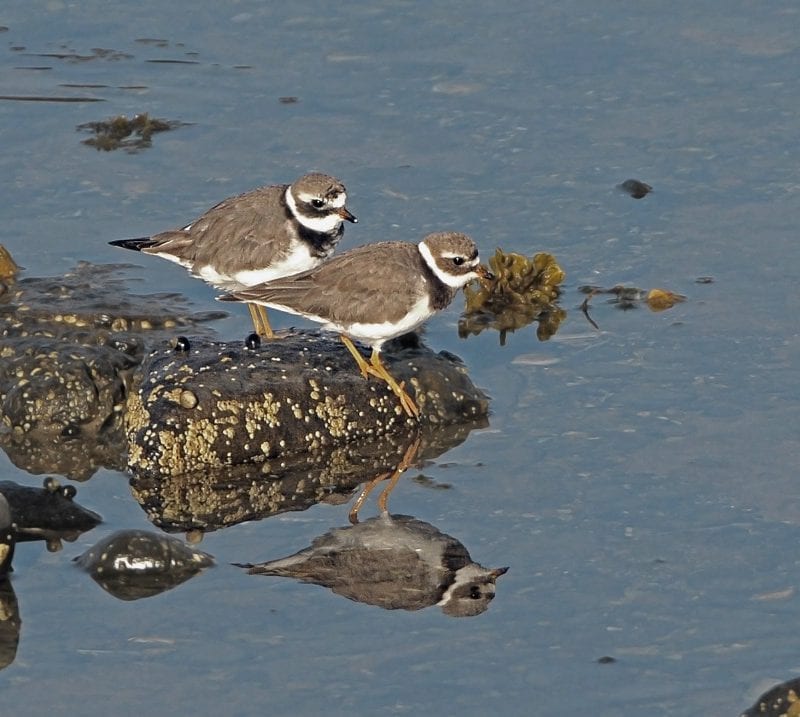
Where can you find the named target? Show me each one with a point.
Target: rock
(7, 537)
(132, 564)
(47, 513)
(10, 624)
(70, 347)
(635, 188)
(224, 404)
(781, 700)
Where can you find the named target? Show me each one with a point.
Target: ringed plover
(264, 234)
(376, 292)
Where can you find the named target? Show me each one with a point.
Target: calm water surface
(639, 479)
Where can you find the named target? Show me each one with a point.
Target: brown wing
(236, 232)
(352, 287)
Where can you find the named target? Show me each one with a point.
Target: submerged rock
(48, 513)
(214, 404)
(132, 564)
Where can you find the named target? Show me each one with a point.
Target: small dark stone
(182, 344)
(606, 660)
(253, 341)
(704, 280)
(636, 188)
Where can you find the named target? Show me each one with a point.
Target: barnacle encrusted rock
(70, 346)
(223, 404)
(214, 498)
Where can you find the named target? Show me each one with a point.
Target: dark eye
(458, 260)
(317, 203)
(474, 591)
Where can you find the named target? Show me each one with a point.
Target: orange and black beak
(497, 572)
(346, 215)
(484, 274)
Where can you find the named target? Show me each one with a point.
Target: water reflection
(219, 497)
(134, 564)
(395, 562)
(7, 537)
(10, 624)
(26, 514)
(391, 478)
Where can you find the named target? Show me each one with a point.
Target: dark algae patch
(122, 133)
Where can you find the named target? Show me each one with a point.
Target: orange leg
(353, 515)
(392, 477)
(362, 364)
(260, 321)
(377, 369)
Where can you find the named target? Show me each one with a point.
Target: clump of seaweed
(524, 290)
(8, 267)
(122, 133)
(631, 297)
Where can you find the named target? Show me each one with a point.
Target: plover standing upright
(376, 292)
(264, 234)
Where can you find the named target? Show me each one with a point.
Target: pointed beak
(346, 215)
(484, 274)
(497, 572)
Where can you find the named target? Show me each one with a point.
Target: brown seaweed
(524, 290)
(122, 133)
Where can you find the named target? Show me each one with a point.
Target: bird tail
(134, 244)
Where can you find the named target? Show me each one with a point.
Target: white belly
(298, 260)
(373, 334)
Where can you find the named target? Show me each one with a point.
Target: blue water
(638, 479)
